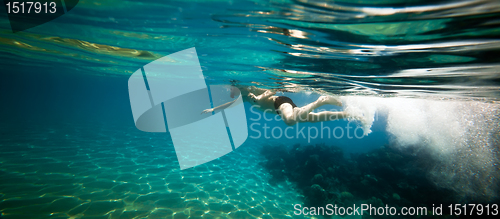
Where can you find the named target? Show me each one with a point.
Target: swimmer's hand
(207, 111)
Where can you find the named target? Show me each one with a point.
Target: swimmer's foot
(330, 100)
(360, 118)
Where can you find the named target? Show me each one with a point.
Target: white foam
(362, 109)
(459, 134)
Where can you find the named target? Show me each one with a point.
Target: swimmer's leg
(303, 112)
(292, 115)
(326, 116)
(287, 114)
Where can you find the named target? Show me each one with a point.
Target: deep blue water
(426, 79)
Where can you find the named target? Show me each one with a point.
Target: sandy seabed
(116, 172)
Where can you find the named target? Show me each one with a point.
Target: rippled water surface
(441, 48)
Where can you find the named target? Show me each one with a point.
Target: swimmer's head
(234, 91)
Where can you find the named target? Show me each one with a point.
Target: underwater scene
(249, 109)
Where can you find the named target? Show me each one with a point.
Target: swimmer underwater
(266, 100)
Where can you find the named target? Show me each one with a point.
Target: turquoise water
(423, 74)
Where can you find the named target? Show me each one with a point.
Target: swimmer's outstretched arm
(221, 107)
(255, 90)
(266, 94)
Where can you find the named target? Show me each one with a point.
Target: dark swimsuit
(281, 100)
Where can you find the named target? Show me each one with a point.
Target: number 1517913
(30, 7)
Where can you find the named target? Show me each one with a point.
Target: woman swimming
(291, 114)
